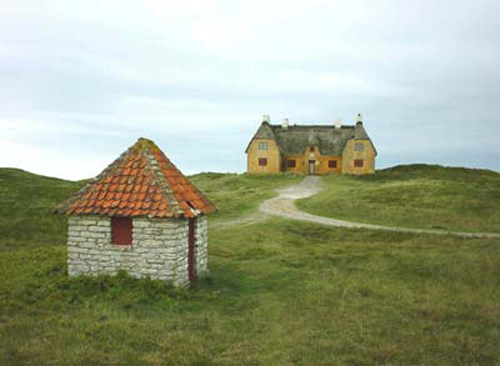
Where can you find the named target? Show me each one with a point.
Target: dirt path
(249, 219)
(284, 206)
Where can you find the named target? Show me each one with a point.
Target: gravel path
(284, 206)
(249, 219)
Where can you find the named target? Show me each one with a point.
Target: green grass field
(280, 292)
(26, 204)
(415, 196)
(27, 201)
(238, 194)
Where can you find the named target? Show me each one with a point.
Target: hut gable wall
(159, 248)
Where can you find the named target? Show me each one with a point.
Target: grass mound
(27, 201)
(280, 292)
(416, 196)
(26, 204)
(238, 194)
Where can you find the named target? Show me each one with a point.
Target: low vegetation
(415, 196)
(27, 201)
(26, 204)
(238, 194)
(279, 292)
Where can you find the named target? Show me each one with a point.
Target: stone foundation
(159, 248)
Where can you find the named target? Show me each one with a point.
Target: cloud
(82, 80)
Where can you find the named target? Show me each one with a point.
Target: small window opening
(359, 146)
(311, 149)
(262, 145)
(262, 161)
(358, 163)
(332, 163)
(121, 230)
(291, 163)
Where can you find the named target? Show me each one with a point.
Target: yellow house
(311, 149)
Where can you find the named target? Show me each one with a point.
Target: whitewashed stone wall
(159, 248)
(201, 242)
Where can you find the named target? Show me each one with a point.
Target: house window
(291, 163)
(121, 230)
(359, 146)
(311, 149)
(262, 161)
(332, 163)
(262, 145)
(358, 163)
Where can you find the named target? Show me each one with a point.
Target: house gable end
(265, 132)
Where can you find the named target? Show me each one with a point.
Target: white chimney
(285, 123)
(266, 118)
(338, 124)
(359, 119)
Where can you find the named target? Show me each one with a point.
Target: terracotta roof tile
(143, 181)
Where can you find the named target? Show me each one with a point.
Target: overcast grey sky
(82, 80)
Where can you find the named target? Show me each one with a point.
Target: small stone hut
(141, 215)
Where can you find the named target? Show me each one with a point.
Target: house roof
(141, 182)
(295, 139)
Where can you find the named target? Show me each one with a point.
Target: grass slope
(279, 292)
(27, 201)
(238, 194)
(26, 204)
(416, 196)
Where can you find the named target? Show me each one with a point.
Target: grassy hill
(27, 201)
(416, 196)
(238, 194)
(279, 292)
(26, 204)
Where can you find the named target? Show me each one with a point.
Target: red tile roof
(141, 182)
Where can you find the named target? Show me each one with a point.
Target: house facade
(140, 215)
(311, 149)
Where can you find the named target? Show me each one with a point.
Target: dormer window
(359, 146)
(262, 145)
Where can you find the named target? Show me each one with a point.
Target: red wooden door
(191, 250)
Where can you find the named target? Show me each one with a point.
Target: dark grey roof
(296, 138)
(265, 131)
(360, 132)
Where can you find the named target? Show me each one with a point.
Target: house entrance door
(312, 167)
(191, 250)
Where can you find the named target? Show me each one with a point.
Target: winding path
(284, 206)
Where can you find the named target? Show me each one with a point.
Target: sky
(81, 81)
